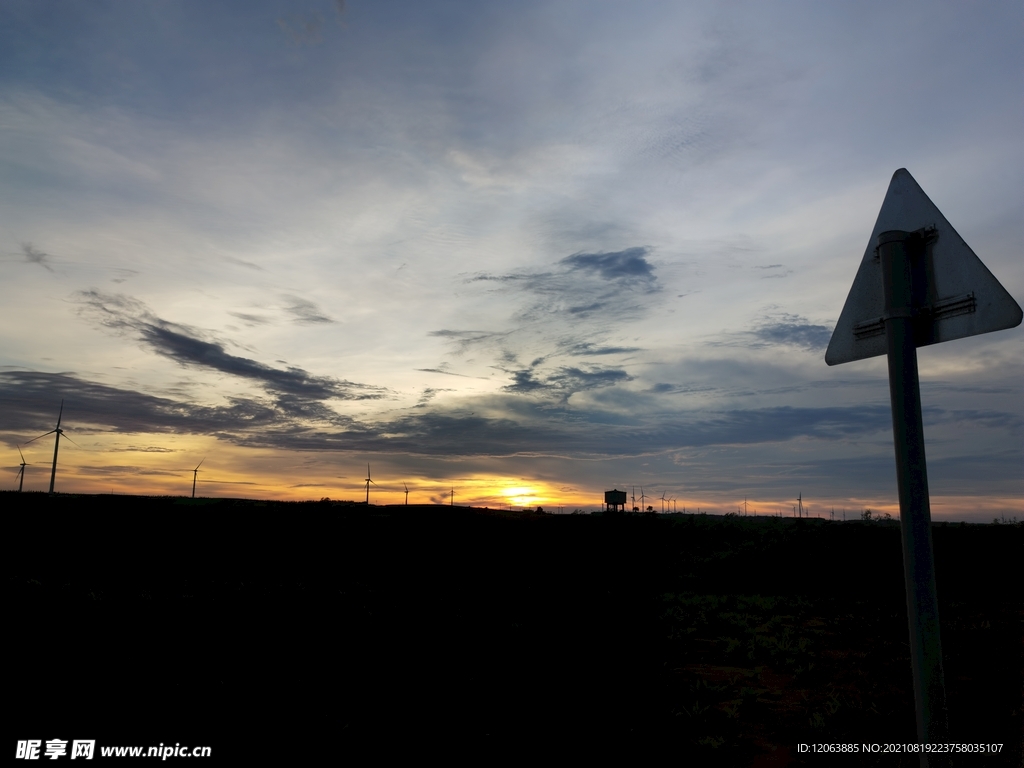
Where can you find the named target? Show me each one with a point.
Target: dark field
(316, 631)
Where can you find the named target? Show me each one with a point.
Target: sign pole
(901, 255)
(918, 283)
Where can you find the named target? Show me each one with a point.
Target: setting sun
(521, 496)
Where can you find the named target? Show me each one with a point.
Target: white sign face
(963, 297)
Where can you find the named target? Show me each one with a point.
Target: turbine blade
(21, 454)
(65, 436)
(200, 463)
(41, 436)
(61, 412)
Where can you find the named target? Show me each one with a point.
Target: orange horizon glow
(114, 463)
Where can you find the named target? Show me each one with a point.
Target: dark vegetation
(323, 629)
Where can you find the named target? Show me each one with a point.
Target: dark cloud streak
(295, 388)
(587, 349)
(306, 312)
(35, 256)
(622, 266)
(794, 331)
(525, 426)
(585, 284)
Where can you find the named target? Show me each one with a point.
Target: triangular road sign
(959, 298)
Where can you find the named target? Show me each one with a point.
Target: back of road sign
(960, 296)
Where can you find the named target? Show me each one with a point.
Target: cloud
(599, 287)
(463, 340)
(295, 388)
(447, 373)
(123, 275)
(795, 331)
(565, 381)
(428, 394)
(35, 256)
(30, 401)
(789, 330)
(629, 265)
(141, 449)
(124, 469)
(250, 319)
(586, 349)
(584, 284)
(306, 312)
(503, 425)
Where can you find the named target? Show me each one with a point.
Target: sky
(523, 252)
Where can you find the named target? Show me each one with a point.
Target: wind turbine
(368, 482)
(663, 502)
(643, 502)
(195, 474)
(56, 444)
(800, 503)
(21, 469)
(453, 497)
(406, 493)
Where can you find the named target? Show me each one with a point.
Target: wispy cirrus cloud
(294, 388)
(305, 312)
(779, 330)
(588, 349)
(563, 381)
(34, 256)
(462, 340)
(250, 319)
(582, 284)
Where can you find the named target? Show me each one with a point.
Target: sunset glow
(522, 254)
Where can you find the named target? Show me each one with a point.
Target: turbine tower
(21, 470)
(56, 444)
(368, 482)
(195, 474)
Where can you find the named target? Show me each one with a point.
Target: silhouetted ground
(322, 630)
